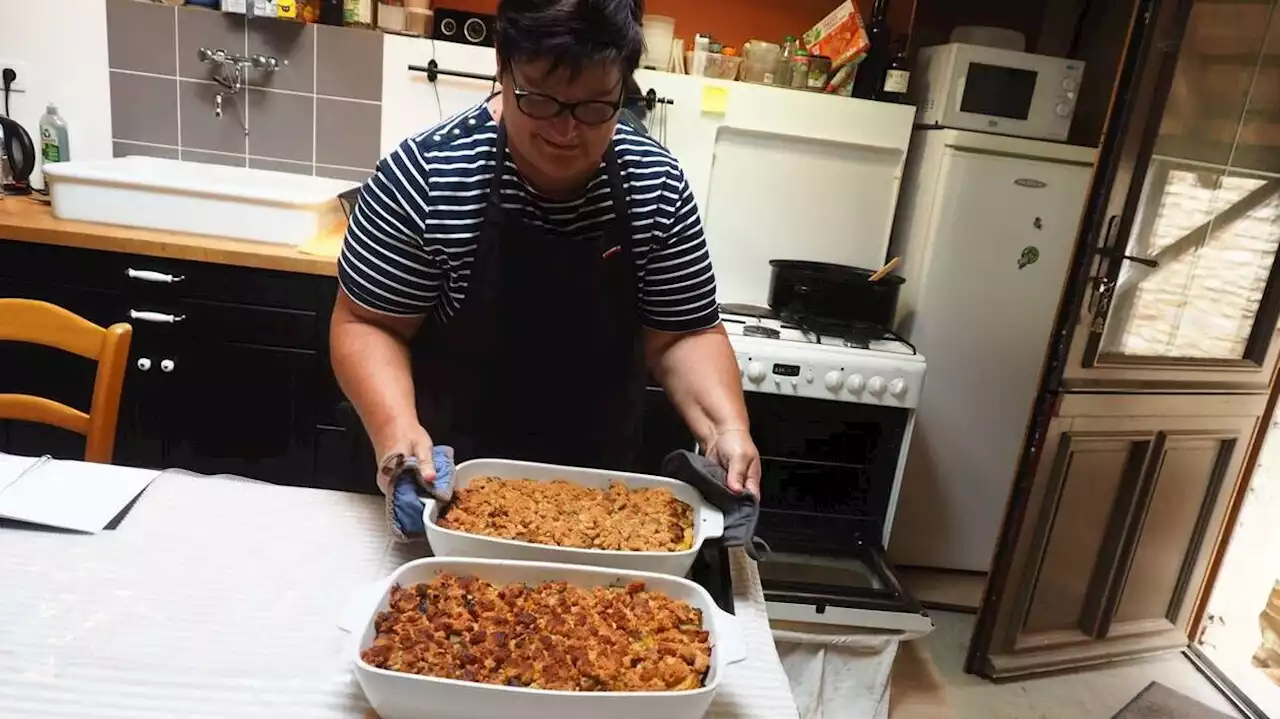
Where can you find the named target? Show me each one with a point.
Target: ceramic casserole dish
(396, 695)
(708, 521)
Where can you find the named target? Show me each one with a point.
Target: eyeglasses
(545, 107)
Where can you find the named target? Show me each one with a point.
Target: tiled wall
(321, 113)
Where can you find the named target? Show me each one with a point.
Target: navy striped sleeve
(384, 266)
(678, 286)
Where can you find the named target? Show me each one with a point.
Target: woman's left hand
(734, 450)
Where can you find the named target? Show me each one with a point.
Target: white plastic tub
(708, 521)
(236, 202)
(395, 695)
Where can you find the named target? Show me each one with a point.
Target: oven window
(811, 570)
(999, 91)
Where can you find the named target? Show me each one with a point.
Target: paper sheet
(79, 496)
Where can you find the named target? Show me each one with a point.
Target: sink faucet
(229, 72)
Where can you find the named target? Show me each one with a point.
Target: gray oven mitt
(741, 511)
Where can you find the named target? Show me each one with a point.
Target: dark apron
(543, 361)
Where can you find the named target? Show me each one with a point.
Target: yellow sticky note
(715, 99)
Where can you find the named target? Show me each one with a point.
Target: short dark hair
(571, 34)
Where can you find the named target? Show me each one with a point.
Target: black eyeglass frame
(562, 107)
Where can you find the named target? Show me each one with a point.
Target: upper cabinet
(1185, 292)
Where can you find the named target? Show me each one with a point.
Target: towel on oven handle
(741, 511)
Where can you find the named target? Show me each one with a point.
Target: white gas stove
(870, 367)
(832, 414)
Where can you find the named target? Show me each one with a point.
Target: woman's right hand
(409, 442)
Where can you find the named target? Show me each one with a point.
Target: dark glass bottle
(897, 76)
(869, 80)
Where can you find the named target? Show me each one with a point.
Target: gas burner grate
(754, 311)
(761, 331)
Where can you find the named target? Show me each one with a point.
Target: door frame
(1116, 161)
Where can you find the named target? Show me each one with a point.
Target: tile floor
(1096, 693)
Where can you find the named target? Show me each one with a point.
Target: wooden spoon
(888, 267)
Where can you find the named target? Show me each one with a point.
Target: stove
(832, 409)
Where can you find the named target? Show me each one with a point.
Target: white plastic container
(708, 521)
(659, 32)
(396, 695)
(259, 205)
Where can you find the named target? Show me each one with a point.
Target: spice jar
(800, 70)
(819, 72)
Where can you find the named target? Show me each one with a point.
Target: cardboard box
(840, 36)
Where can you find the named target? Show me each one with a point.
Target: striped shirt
(411, 244)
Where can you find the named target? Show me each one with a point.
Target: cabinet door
(238, 409)
(1125, 510)
(68, 378)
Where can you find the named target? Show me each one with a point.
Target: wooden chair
(52, 326)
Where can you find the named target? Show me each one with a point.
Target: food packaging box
(840, 36)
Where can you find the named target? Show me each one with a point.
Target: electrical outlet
(20, 84)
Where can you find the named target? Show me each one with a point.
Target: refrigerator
(985, 228)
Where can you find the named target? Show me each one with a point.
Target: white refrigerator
(986, 227)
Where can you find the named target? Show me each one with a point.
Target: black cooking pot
(828, 293)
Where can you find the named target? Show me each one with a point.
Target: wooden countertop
(25, 220)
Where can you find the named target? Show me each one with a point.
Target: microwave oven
(988, 89)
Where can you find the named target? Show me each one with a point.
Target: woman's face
(560, 148)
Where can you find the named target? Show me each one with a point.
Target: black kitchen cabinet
(229, 370)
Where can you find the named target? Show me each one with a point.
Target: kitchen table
(221, 597)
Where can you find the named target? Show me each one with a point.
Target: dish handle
(729, 638)
(712, 522)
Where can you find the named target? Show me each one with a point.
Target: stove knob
(855, 383)
(898, 387)
(834, 381)
(1063, 109)
(777, 383)
(795, 385)
(755, 372)
(739, 369)
(876, 386)
(808, 377)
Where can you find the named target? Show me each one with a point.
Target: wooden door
(1125, 511)
(1184, 288)
(1163, 354)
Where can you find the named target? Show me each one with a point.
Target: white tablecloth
(222, 598)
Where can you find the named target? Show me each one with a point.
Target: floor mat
(1158, 701)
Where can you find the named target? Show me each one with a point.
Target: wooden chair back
(45, 324)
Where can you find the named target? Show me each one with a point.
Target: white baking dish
(260, 205)
(395, 695)
(708, 521)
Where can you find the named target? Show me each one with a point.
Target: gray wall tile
(141, 37)
(348, 133)
(343, 173)
(295, 168)
(144, 108)
(280, 125)
(291, 43)
(201, 129)
(348, 63)
(213, 158)
(199, 28)
(125, 149)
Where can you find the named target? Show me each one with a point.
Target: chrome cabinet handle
(152, 276)
(156, 317)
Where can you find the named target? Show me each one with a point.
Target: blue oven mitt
(406, 501)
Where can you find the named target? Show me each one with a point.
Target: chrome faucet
(229, 72)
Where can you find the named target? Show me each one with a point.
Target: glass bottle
(790, 46)
(868, 82)
(897, 76)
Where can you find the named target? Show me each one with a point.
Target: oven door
(856, 588)
(828, 474)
